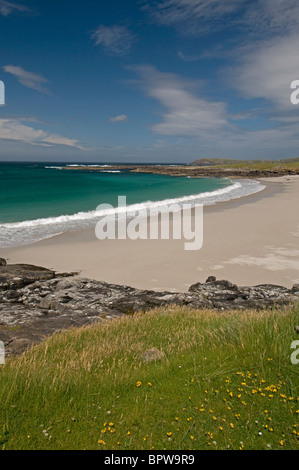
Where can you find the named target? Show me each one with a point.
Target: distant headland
(218, 168)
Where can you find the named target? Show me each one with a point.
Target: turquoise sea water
(38, 200)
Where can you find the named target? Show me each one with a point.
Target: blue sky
(148, 81)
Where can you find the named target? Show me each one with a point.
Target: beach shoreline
(251, 240)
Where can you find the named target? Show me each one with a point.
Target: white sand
(248, 241)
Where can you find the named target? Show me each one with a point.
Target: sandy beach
(249, 241)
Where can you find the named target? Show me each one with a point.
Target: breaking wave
(30, 231)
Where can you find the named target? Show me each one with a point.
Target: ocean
(40, 200)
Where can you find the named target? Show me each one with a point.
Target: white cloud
(12, 129)
(28, 79)
(6, 8)
(214, 131)
(267, 66)
(59, 140)
(120, 118)
(186, 115)
(116, 39)
(268, 69)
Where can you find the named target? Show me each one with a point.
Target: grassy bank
(288, 164)
(226, 381)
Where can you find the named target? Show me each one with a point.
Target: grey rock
(36, 302)
(211, 279)
(16, 276)
(152, 354)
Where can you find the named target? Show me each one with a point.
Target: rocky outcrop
(14, 277)
(36, 302)
(216, 172)
(196, 171)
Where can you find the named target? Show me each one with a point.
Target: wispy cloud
(202, 16)
(28, 79)
(25, 118)
(267, 65)
(215, 132)
(12, 129)
(193, 16)
(120, 118)
(6, 8)
(264, 66)
(186, 114)
(272, 16)
(116, 39)
(188, 58)
(267, 70)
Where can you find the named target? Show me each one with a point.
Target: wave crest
(30, 231)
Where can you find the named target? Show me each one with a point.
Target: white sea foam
(29, 231)
(85, 165)
(55, 167)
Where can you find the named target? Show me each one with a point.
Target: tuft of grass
(226, 381)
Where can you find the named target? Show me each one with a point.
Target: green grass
(290, 164)
(226, 381)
